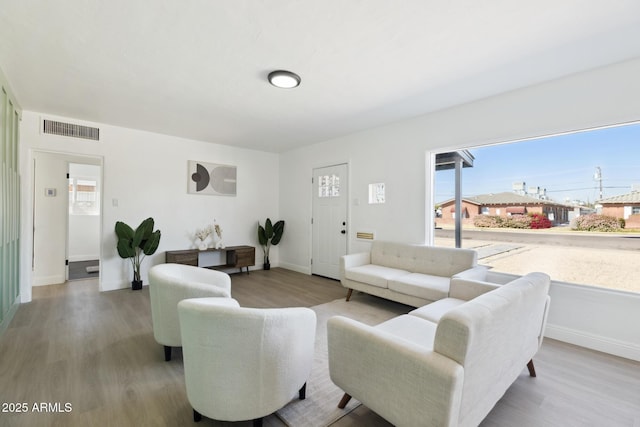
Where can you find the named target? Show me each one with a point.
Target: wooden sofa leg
(349, 294)
(343, 402)
(302, 393)
(532, 369)
(167, 353)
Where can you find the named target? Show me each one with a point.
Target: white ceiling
(197, 68)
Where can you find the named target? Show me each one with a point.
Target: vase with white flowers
(217, 235)
(201, 237)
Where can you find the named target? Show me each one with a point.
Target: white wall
(597, 318)
(146, 174)
(372, 157)
(395, 154)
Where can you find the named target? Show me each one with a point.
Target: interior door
(329, 222)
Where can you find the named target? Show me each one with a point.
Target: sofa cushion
(421, 285)
(443, 261)
(411, 328)
(394, 255)
(433, 312)
(375, 275)
(422, 259)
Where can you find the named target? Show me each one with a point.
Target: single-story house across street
(626, 206)
(503, 204)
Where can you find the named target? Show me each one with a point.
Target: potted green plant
(269, 235)
(136, 244)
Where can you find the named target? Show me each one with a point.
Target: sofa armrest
(467, 290)
(355, 260)
(403, 382)
(479, 272)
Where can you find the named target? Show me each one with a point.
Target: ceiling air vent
(69, 129)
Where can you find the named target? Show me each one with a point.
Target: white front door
(329, 222)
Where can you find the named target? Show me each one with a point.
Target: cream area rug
(320, 408)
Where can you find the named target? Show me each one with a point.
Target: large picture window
(567, 205)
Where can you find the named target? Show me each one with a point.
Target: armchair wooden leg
(196, 416)
(257, 422)
(349, 294)
(532, 369)
(343, 402)
(302, 393)
(167, 353)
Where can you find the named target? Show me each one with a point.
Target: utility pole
(597, 176)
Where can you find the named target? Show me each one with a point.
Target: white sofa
(411, 274)
(415, 372)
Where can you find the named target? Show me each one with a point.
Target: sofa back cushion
(493, 337)
(432, 260)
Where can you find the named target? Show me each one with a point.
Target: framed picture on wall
(211, 178)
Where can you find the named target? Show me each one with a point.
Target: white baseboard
(48, 280)
(296, 268)
(593, 342)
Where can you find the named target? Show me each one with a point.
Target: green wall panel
(9, 206)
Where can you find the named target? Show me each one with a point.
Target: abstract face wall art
(211, 178)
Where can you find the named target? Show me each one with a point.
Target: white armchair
(244, 363)
(171, 283)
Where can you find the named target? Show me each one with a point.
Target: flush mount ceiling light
(284, 79)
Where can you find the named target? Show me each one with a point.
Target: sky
(565, 165)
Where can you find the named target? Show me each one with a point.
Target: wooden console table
(237, 257)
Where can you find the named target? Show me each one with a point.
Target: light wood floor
(96, 352)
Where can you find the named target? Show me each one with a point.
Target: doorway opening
(66, 217)
(83, 248)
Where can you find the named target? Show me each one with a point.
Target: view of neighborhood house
(570, 203)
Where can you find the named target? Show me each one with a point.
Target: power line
(588, 188)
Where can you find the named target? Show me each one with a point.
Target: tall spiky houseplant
(269, 235)
(136, 244)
